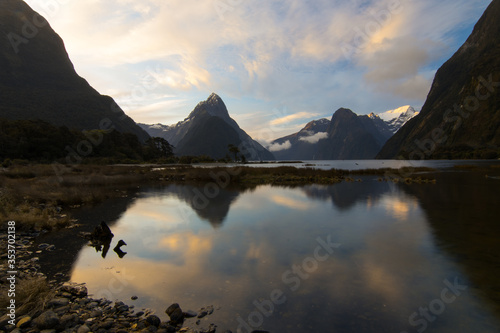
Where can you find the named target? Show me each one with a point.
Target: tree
(160, 147)
(233, 149)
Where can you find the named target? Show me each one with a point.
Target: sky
(277, 64)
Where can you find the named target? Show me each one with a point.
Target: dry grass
(33, 195)
(32, 295)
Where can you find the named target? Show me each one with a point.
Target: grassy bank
(38, 196)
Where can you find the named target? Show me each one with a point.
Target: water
(352, 257)
(365, 164)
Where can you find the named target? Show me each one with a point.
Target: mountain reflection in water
(400, 247)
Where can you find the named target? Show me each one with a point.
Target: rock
(43, 246)
(92, 305)
(24, 322)
(187, 330)
(46, 320)
(83, 329)
(107, 324)
(153, 320)
(61, 310)
(175, 313)
(58, 302)
(102, 232)
(69, 320)
(134, 298)
(190, 314)
(77, 290)
(10, 328)
(172, 308)
(211, 329)
(96, 313)
(140, 313)
(206, 311)
(51, 248)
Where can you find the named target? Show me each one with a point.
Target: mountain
(345, 136)
(461, 116)
(301, 145)
(38, 80)
(398, 117)
(208, 130)
(351, 137)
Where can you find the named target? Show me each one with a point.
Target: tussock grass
(35, 195)
(32, 296)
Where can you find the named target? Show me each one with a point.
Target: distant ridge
(345, 136)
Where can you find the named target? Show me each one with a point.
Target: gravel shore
(71, 309)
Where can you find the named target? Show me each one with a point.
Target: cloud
(314, 138)
(395, 67)
(277, 52)
(278, 147)
(291, 203)
(292, 117)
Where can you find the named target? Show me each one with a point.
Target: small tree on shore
(160, 147)
(234, 150)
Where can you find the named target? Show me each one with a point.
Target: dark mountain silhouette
(208, 130)
(467, 231)
(38, 80)
(461, 116)
(302, 145)
(345, 136)
(213, 210)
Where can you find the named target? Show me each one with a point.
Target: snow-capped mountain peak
(398, 117)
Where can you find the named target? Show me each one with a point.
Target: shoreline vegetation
(40, 198)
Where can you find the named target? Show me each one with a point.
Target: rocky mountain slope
(345, 136)
(398, 117)
(38, 80)
(208, 130)
(461, 116)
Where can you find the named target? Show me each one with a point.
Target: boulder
(46, 320)
(175, 313)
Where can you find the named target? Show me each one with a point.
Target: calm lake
(366, 256)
